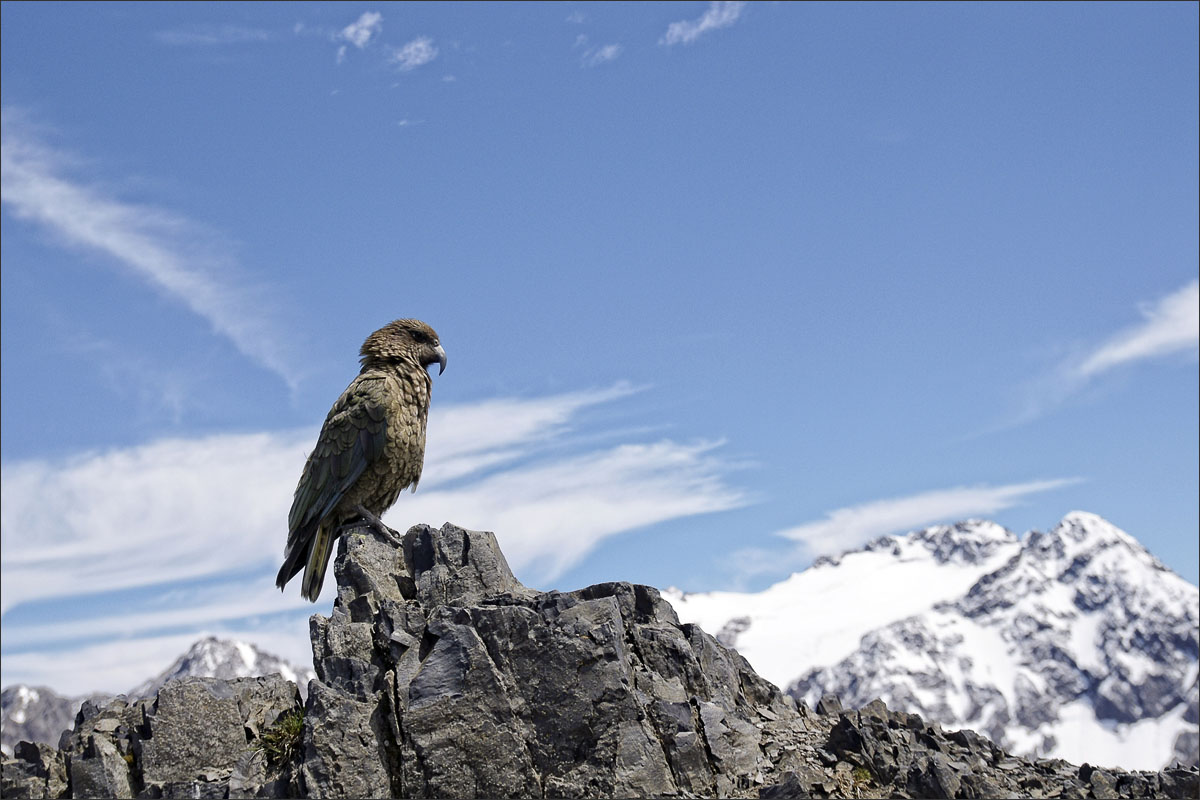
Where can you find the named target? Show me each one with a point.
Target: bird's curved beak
(441, 359)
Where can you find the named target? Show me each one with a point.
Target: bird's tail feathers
(294, 559)
(318, 562)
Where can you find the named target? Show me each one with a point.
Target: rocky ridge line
(440, 675)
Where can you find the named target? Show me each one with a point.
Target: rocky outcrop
(440, 675)
(40, 715)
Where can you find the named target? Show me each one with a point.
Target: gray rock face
(466, 683)
(37, 770)
(39, 714)
(199, 737)
(440, 675)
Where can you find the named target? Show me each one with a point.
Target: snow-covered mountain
(1075, 643)
(224, 658)
(39, 714)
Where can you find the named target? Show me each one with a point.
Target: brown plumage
(371, 448)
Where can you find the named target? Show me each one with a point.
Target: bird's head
(404, 341)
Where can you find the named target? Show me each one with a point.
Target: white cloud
(1171, 325)
(848, 528)
(110, 665)
(190, 531)
(165, 250)
(594, 55)
(171, 510)
(360, 32)
(213, 35)
(549, 515)
(717, 15)
(414, 54)
(599, 55)
(120, 662)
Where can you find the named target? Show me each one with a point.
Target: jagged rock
(440, 675)
(197, 729)
(99, 752)
(490, 688)
(36, 770)
(39, 714)
(792, 786)
(829, 705)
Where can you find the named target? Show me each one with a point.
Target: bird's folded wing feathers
(353, 436)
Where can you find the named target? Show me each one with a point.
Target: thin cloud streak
(600, 55)
(1170, 326)
(165, 250)
(847, 528)
(110, 665)
(213, 36)
(717, 15)
(851, 527)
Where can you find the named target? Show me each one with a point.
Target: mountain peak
(1083, 526)
(212, 657)
(1075, 643)
(964, 542)
(1082, 536)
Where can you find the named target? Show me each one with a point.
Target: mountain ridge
(441, 675)
(1060, 641)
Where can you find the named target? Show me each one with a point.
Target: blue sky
(723, 287)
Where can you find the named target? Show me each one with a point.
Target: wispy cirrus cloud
(213, 35)
(418, 52)
(1170, 325)
(594, 55)
(719, 14)
(184, 535)
(852, 526)
(165, 250)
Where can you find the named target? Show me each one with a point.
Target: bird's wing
(353, 436)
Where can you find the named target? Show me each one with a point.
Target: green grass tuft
(282, 740)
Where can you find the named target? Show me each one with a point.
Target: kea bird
(371, 448)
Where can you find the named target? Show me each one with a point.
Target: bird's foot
(376, 524)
